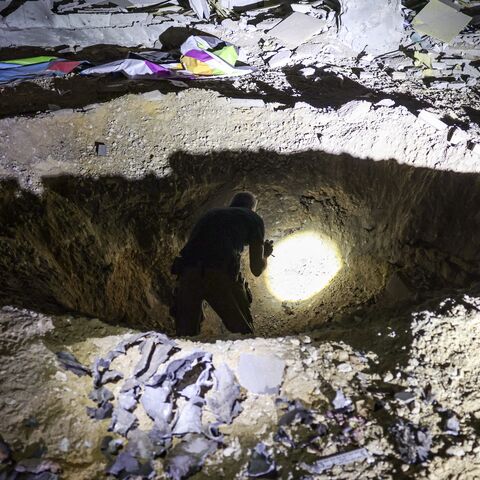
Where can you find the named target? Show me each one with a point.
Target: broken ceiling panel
(441, 19)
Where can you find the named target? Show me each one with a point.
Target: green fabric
(229, 54)
(30, 60)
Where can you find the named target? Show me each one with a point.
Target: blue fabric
(8, 65)
(19, 72)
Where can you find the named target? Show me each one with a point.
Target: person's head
(244, 200)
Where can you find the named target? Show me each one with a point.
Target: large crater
(103, 246)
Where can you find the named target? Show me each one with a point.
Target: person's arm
(258, 253)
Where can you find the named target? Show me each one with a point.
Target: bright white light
(304, 264)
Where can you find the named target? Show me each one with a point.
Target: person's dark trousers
(224, 294)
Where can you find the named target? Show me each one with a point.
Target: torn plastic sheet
(224, 402)
(172, 396)
(339, 459)
(122, 421)
(69, 362)
(127, 466)
(100, 395)
(189, 420)
(103, 411)
(188, 457)
(131, 67)
(261, 462)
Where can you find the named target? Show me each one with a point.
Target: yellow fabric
(196, 66)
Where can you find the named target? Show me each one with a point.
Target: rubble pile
(178, 407)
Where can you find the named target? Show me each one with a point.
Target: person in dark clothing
(208, 267)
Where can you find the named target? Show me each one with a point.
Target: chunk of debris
(340, 401)
(346, 458)
(280, 59)
(69, 362)
(247, 102)
(373, 27)
(296, 29)
(413, 443)
(153, 96)
(451, 425)
(432, 119)
(100, 149)
(354, 111)
(405, 397)
(260, 373)
(441, 19)
(386, 102)
(261, 463)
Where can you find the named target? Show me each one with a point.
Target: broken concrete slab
(261, 374)
(441, 19)
(247, 102)
(432, 119)
(280, 59)
(373, 27)
(296, 29)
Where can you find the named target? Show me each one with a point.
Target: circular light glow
(302, 265)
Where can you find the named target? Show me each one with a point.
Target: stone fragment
(455, 451)
(432, 119)
(280, 59)
(153, 96)
(301, 7)
(247, 102)
(297, 29)
(386, 102)
(354, 111)
(405, 397)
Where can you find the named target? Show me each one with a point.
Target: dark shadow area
(103, 247)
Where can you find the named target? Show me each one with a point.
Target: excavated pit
(103, 246)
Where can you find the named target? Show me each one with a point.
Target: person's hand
(267, 248)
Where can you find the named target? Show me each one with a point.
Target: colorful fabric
(28, 68)
(210, 56)
(30, 60)
(64, 66)
(131, 67)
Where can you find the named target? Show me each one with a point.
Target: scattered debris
(413, 443)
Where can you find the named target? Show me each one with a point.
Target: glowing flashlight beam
(304, 264)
